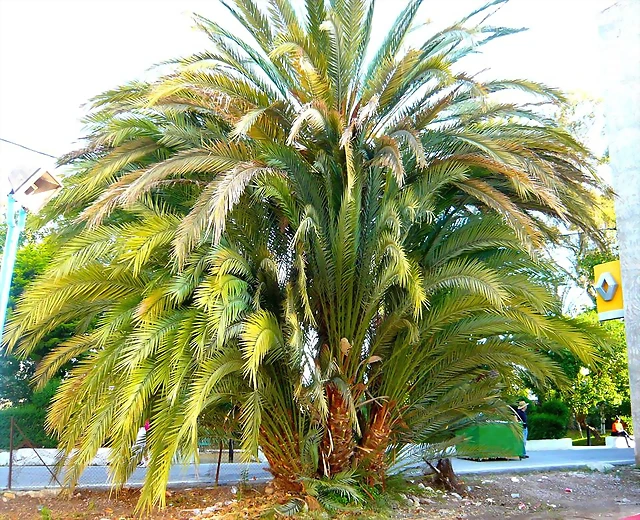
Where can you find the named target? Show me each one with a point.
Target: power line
(27, 148)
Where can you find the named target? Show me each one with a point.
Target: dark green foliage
(548, 420)
(14, 379)
(554, 407)
(31, 260)
(42, 398)
(30, 419)
(16, 374)
(546, 426)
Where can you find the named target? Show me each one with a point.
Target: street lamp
(30, 191)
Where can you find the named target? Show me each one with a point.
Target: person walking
(521, 411)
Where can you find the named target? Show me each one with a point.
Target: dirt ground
(536, 495)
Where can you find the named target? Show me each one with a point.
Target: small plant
(45, 513)
(243, 485)
(292, 507)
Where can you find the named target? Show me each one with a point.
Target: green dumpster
(492, 440)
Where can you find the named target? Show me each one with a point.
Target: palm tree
(340, 252)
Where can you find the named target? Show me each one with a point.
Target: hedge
(30, 418)
(546, 426)
(555, 407)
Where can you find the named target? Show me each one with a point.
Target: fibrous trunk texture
(338, 443)
(371, 453)
(285, 472)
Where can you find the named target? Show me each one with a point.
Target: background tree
(346, 253)
(17, 398)
(601, 390)
(31, 260)
(584, 117)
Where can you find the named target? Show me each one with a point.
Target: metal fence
(17, 439)
(30, 467)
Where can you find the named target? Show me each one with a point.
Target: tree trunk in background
(446, 478)
(620, 30)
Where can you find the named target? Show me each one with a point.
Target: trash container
(492, 440)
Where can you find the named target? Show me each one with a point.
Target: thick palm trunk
(338, 442)
(374, 444)
(283, 468)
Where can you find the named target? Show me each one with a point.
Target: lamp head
(33, 189)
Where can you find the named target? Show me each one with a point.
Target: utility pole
(620, 68)
(16, 217)
(30, 191)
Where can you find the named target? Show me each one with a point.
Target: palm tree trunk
(374, 445)
(281, 465)
(446, 478)
(338, 442)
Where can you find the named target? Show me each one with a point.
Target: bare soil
(537, 495)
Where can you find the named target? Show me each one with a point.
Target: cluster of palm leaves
(339, 249)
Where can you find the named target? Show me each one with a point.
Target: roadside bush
(30, 419)
(42, 398)
(555, 407)
(546, 426)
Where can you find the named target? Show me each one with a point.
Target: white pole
(16, 216)
(620, 32)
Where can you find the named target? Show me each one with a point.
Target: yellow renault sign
(608, 286)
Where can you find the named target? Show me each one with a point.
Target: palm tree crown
(343, 254)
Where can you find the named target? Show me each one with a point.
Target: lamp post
(29, 191)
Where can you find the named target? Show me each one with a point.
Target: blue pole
(15, 226)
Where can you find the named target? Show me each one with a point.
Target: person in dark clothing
(522, 416)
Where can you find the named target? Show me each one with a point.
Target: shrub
(30, 419)
(555, 407)
(546, 426)
(628, 421)
(42, 398)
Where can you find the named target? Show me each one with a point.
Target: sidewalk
(550, 459)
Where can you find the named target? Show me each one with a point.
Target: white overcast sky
(56, 54)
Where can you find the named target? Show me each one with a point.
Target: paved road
(36, 477)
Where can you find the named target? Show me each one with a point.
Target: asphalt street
(37, 477)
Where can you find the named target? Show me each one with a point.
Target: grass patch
(581, 440)
(594, 442)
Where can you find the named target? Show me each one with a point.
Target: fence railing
(13, 430)
(31, 467)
